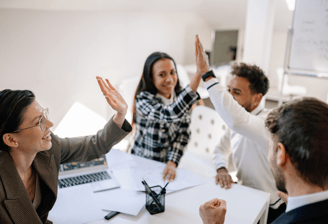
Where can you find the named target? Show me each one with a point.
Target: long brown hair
(146, 82)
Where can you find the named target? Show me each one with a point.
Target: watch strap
(208, 74)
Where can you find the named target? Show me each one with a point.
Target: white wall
(316, 87)
(57, 54)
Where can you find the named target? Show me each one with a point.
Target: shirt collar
(299, 201)
(166, 101)
(258, 109)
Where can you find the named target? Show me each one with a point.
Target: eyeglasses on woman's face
(42, 122)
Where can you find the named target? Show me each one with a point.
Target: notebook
(94, 172)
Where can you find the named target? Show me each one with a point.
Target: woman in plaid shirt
(161, 113)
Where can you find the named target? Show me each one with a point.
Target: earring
(16, 144)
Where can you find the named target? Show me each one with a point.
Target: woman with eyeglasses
(30, 154)
(161, 113)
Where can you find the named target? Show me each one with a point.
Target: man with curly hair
(246, 137)
(298, 158)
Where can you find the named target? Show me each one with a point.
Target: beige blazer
(15, 205)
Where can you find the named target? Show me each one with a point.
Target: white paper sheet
(75, 205)
(121, 200)
(131, 178)
(117, 159)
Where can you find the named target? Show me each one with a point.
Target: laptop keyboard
(83, 179)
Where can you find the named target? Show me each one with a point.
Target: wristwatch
(208, 74)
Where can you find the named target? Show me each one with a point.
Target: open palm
(113, 97)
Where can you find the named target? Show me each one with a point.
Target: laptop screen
(75, 167)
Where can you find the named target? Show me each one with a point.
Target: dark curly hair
(259, 83)
(302, 127)
(13, 104)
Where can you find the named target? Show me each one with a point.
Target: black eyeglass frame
(43, 120)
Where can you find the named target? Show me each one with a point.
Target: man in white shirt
(246, 137)
(298, 159)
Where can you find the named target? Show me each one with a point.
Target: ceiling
(218, 13)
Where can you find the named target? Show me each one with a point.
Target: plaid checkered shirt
(162, 131)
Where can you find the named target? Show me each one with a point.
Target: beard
(278, 176)
(248, 106)
(280, 184)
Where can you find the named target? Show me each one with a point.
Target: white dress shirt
(247, 139)
(299, 201)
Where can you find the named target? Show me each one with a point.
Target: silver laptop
(94, 172)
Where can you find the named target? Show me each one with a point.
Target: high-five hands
(115, 100)
(201, 58)
(213, 211)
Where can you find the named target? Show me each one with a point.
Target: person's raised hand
(223, 178)
(213, 211)
(114, 99)
(170, 171)
(201, 58)
(283, 196)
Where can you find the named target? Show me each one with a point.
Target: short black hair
(302, 127)
(259, 83)
(13, 104)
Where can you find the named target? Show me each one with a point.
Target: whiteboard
(309, 41)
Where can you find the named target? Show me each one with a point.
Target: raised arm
(233, 114)
(86, 148)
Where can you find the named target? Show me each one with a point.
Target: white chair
(289, 90)
(207, 128)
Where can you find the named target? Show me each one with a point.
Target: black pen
(152, 194)
(166, 185)
(111, 214)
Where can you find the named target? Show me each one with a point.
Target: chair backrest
(207, 128)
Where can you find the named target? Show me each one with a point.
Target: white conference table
(244, 205)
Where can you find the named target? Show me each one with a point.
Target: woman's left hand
(170, 171)
(114, 99)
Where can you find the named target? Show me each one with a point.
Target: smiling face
(33, 140)
(239, 89)
(165, 77)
